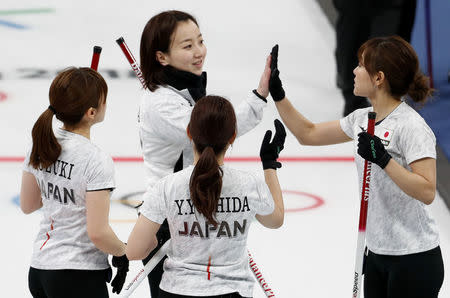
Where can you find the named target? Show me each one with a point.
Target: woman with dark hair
(70, 180)
(209, 208)
(404, 258)
(172, 56)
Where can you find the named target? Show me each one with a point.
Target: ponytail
(420, 90)
(206, 184)
(212, 127)
(46, 149)
(71, 94)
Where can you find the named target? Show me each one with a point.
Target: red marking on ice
(318, 201)
(386, 134)
(11, 158)
(257, 159)
(3, 96)
(228, 159)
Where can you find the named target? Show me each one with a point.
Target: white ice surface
(312, 255)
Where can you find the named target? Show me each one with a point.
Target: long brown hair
(212, 127)
(398, 61)
(157, 36)
(72, 93)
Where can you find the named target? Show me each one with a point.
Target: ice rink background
(312, 255)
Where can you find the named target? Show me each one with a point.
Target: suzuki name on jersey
(59, 169)
(50, 190)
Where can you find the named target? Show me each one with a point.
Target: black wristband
(121, 263)
(271, 164)
(384, 160)
(259, 95)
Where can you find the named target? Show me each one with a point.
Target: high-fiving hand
(270, 150)
(275, 85)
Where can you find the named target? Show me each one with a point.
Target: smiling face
(187, 51)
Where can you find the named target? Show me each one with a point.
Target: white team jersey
(397, 224)
(62, 241)
(203, 260)
(163, 118)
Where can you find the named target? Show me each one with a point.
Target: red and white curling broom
(142, 274)
(258, 275)
(361, 243)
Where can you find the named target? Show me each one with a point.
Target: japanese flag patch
(385, 135)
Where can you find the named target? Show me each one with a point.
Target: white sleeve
(169, 118)
(249, 113)
(417, 141)
(26, 163)
(347, 125)
(100, 172)
(264, 204)
(153, 207)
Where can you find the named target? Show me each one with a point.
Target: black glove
(275, 86)
(270, 150)
(121, 263)
(370, 148)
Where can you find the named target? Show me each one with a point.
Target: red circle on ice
(386, 134)
(316, 201)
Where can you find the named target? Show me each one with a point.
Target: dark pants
(164, 294)
(154, 278)
(417, 275)
(68, 283)
(358, 21)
